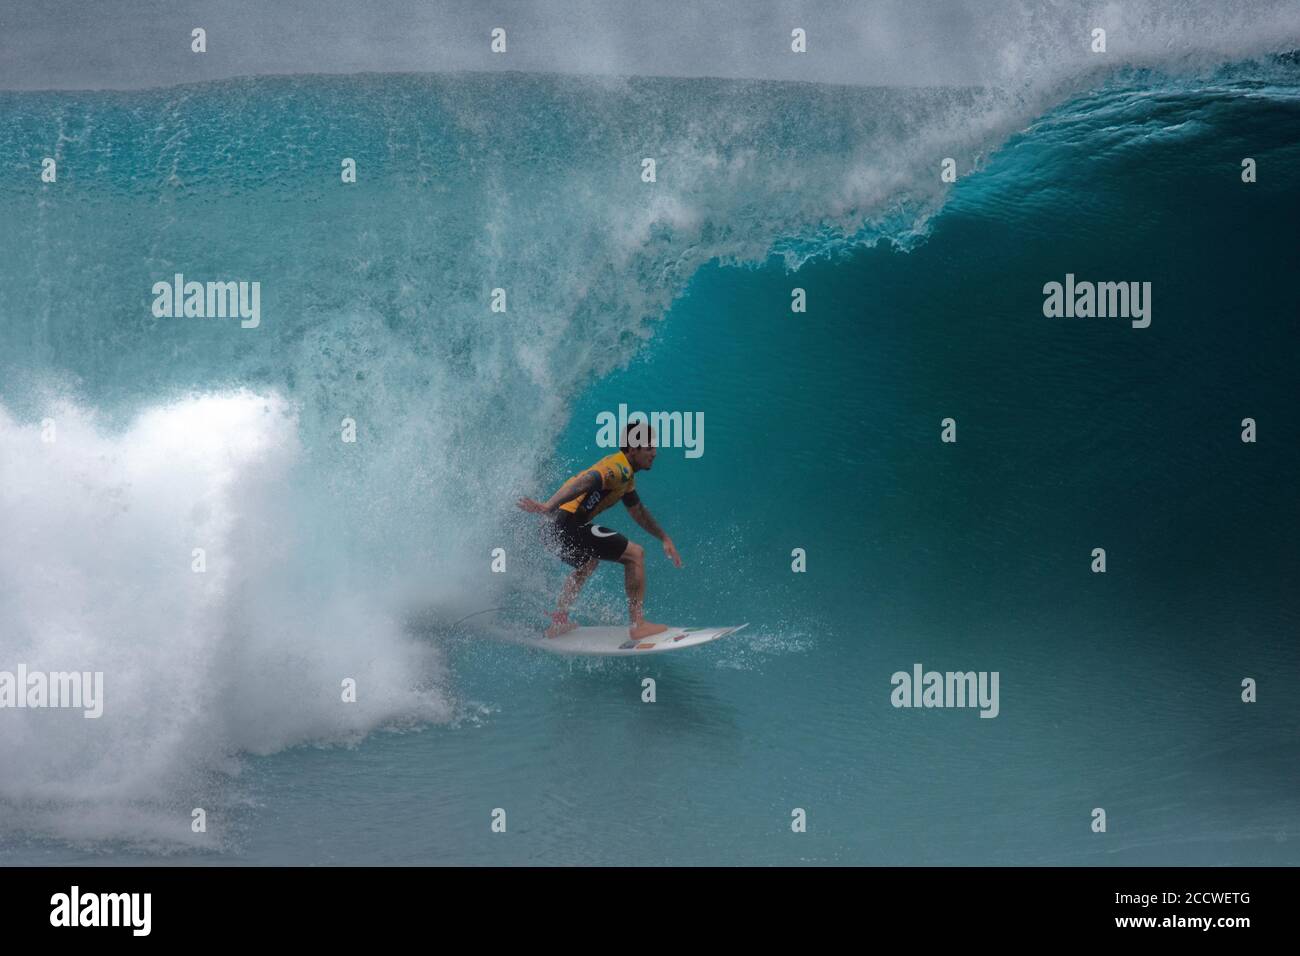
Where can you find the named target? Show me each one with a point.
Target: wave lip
(886, 42)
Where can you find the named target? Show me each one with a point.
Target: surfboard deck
(613, 641)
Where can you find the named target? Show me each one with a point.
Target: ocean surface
(372, 560)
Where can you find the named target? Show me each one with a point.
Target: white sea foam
(99, 528)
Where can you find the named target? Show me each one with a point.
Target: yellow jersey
(616, 482)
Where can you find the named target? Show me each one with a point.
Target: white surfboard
(614, 640)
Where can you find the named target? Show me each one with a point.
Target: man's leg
(633, 561)
(560, 623)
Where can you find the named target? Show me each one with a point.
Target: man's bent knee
(633, 553)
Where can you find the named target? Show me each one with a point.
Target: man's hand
(532, 507)
(671, 550)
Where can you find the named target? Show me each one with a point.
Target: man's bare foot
(560, 624)
(645, 629)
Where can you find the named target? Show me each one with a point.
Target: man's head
(639, 445)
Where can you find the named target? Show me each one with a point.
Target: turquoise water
(1118, 691)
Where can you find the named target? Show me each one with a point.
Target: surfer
(569, 534)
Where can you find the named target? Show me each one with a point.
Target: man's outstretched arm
(642, 516)
(573, 488)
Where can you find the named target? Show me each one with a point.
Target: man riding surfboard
(570, 535)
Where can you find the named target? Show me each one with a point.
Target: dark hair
(633, 435)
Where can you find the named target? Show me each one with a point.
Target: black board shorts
(576, 544)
